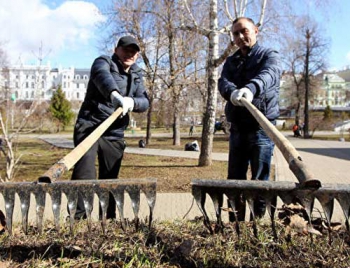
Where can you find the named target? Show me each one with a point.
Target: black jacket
(107, 75)
(260, 71)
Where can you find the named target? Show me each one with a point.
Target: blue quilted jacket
(107, 74)
(260, 71)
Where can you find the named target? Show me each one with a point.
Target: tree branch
(227, 11)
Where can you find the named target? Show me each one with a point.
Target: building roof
(345, 74)
(82, 71)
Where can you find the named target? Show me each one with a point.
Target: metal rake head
(288, 192)
(87, 188)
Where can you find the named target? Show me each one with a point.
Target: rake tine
(56, 198)
(231, 199)
(250, 201)
(24, 197)
(72, 199)
(118, 194)
(327, 203)
(307, 201)
(200, 196)
(344, 201)
(103, 195)
(88, 197)
(271, 204)
(217, 201)
(40, 198)
(9, 196)
(134, 193)
(150, 193)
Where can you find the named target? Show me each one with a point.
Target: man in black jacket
(114, 82)
(253, 72)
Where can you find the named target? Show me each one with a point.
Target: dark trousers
(254, 148)
(110, 155)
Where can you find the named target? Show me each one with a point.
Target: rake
(306, 191)
(288, 192)
(48, 184)
(71, 189)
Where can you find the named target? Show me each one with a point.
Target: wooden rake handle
(67, 162)
(296, 164)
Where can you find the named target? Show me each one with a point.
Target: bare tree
(14, 117)
(305, 56)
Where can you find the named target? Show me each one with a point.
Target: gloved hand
(117, 99)
(237, 94)
(128, 105)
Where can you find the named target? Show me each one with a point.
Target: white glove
(237, 94)
(128, 105)
(117, 99)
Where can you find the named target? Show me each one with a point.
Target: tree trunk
(177, 134)
(149, 121)
(205, 157)
(307, 84)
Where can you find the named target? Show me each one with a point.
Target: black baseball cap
(128, 41)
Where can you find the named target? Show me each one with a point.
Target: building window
(77, 95)
(85, 77)
(42, 84)
(27, 95)
(27, 85)
(32, 84)
(77, 76)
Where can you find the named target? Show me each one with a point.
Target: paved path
(329, 161)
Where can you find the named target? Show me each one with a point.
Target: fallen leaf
(298, 224)
(312, 230)
(227, 209)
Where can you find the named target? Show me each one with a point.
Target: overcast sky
(68, 33)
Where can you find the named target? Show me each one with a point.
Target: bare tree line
(185, 43)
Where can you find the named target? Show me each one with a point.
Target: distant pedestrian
(296, 131)
(191, 130)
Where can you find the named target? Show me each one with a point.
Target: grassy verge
(173, 244)
(173, 174)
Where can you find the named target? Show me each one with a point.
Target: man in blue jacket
(114, 82)
(252, 72)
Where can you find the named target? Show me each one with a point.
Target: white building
(30, 82)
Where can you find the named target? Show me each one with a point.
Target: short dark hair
(243, 18)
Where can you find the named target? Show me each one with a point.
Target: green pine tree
(61, 109)
(328, 113)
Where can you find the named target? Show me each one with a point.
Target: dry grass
(173, 174)
(172, 244)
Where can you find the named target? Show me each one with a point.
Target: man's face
(127, 55)
(244, 34)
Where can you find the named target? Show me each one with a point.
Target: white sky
(68, 27)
